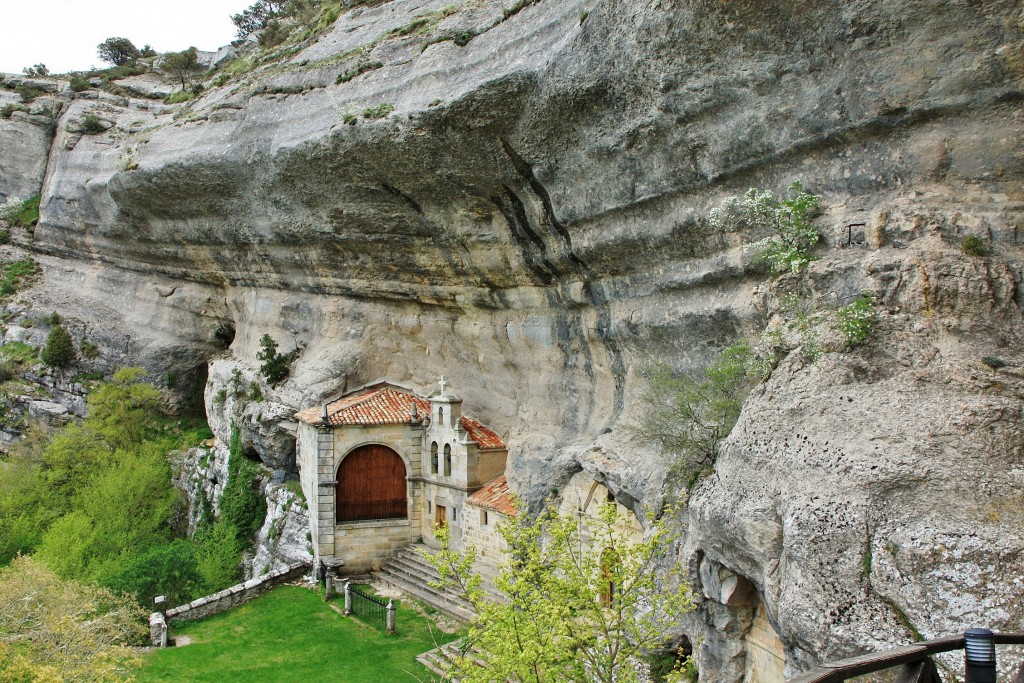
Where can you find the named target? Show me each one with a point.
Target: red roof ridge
(385, 403)
(495, 495)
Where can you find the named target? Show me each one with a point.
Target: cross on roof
(443, 383)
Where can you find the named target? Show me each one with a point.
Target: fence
(370, 609)
(915, 662)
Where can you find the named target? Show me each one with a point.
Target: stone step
(437, 660)
(413, 585)
(411, 558)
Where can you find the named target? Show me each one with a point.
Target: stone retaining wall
(222, 601)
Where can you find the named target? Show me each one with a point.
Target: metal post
(980, 655)
(329, 584)
(348, 597)
(390, 623)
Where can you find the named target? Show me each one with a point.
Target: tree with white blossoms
(582, 601)
(789, 217)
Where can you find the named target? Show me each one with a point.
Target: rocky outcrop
(528, 220)
(873, 496)
(25, 137)
(284, 538)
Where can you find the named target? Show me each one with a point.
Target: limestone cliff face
(528, 221)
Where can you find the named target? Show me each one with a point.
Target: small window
(433, 458)
(448, 461)
(483, 518)
(455, 514)
(440, 417)
(428, 507)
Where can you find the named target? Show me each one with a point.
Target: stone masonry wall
(226, 599)
(364, 546)
(236, 595)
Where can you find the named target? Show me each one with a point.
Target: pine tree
(59, 351)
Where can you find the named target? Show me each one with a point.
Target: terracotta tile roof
(388, 405)
(495, 496)
(385, 405)
(484, 437)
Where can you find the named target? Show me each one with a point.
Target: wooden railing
(915, 662)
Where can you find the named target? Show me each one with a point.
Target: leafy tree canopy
(183, 65)
(54, 629)
(118, 51)
(558, 624)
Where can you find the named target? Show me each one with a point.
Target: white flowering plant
(789, 217)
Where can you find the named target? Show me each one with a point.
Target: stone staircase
(437, 660)
(410, 573)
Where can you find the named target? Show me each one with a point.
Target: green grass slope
(290, 634)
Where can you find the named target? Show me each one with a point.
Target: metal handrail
(835, 672)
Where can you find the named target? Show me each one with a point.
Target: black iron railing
(915, 662)
(371, 610)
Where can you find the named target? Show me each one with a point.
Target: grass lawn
(290, 634)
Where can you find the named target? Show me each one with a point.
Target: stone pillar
(390, 621)
(348, 598)
(158, 629)
(329, 583)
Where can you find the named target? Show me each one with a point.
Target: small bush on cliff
(276, 366)
(688, 414)
(92, 125)
(856, 321)
(973, 245)
(378, 112)
(789, 218)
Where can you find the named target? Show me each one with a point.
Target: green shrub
(89, 350)
(28, 93)
(790, 219)
(972, 245)
(856, 321)
(7, 110)
(79, 84)
(178, 96)
(378, 112)
(359, 69)
(275, 366)
(273, 35)
(221, 396)
(350, 118)
(688, 415)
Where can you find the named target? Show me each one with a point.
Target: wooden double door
(372, 485)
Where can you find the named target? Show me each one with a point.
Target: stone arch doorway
(371, 485)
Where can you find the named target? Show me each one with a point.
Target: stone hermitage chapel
(381, 467)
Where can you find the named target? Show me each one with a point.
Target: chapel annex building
(382, 466)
